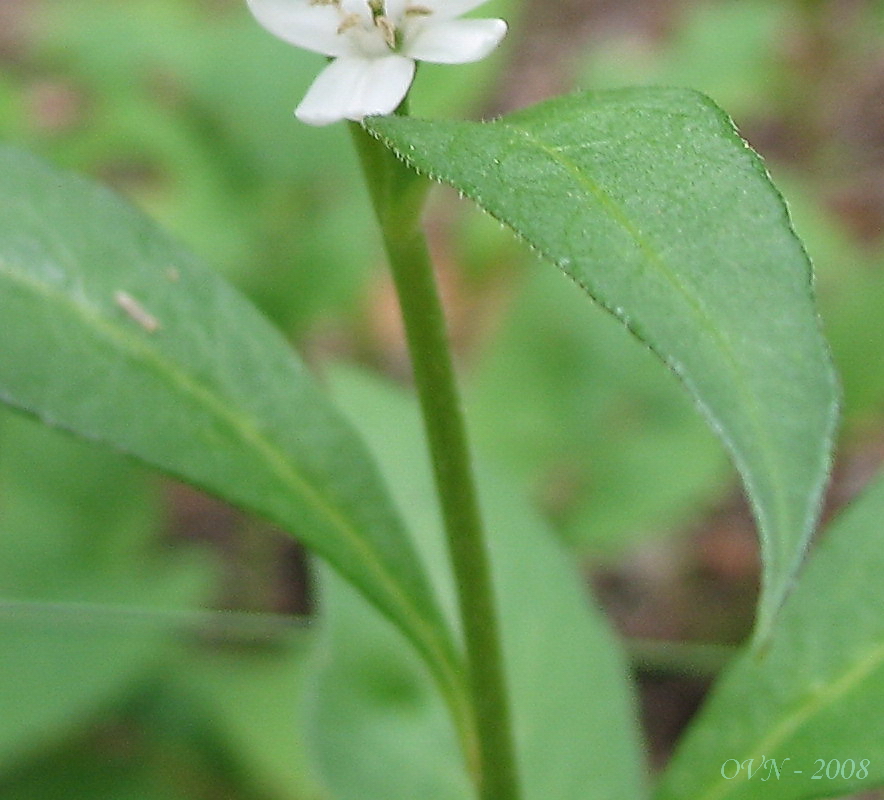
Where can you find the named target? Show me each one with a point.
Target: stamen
(388, 30)
(377, 8)
(418, 11)
(348, 22)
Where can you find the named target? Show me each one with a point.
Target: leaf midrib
(620, 217)
(242, 427)
(851, 678)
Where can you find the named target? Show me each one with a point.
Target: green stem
(398, 195)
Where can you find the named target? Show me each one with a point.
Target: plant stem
(398, 195)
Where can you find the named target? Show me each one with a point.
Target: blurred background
(153, 640)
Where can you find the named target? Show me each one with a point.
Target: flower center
(375, 34)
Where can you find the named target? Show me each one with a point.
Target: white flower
(374, 44)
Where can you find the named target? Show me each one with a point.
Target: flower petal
(353, 88)
(455, 41)
(394, 9)
(447, 9)
(311, 26)
(358, 7)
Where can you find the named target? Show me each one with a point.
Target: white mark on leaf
(136, 312)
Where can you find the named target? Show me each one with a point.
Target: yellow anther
(388, 29)
(348, 22)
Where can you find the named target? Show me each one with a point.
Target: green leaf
(112, 331)
(253, 699)
(377, 728)
(62, 663)
(382, 734)
(653, 204)
(615, 459)
(260, 211)
(77, 530)
(815, 692)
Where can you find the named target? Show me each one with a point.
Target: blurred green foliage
(106, 690)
